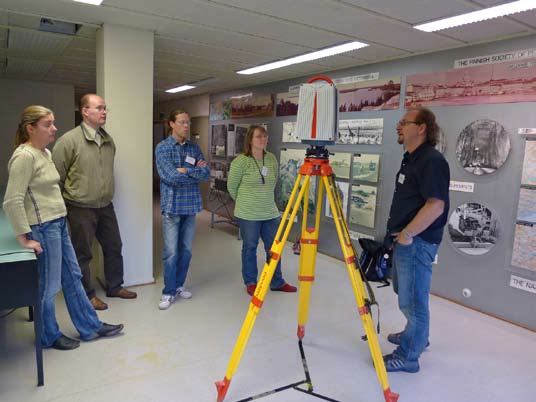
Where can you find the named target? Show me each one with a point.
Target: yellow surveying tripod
(316, 165)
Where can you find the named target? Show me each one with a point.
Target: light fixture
(477, 16)
(179, 89)
(319, 54)
(94, 2)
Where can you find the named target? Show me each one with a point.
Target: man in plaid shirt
(181, 167)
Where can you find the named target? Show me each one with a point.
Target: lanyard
(259, 169)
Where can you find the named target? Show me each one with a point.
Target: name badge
(264, 171)
(401, 178)
(190, 160)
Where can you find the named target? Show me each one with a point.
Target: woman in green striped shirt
(251, 183)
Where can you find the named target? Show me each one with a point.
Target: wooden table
(19, 283)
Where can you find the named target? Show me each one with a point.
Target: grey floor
(176, 355)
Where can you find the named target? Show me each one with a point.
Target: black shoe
(109, 329)
(65, 343)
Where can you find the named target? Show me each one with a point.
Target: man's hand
(26, 243)
(201, 163)
(182, 170)
(403, 240)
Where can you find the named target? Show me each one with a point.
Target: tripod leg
(262, 286)
(306, 271)
(358, 287)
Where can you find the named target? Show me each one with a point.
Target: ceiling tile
(25, 67)
(23, 20)
(3, 37)
(236, 40)
(414, 11)
(486, 30)
(42, 42)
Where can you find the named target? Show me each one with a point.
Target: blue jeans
(178, 233)
(412, 275)
(58, 269)
(251, 231)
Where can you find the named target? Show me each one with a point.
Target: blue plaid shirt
(179, 192)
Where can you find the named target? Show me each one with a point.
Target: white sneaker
(183, 293)
(166, 301)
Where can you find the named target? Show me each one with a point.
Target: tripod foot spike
(301, 331)
(390, 396)
(222, 387)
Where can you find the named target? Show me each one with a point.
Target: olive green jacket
(86, 169)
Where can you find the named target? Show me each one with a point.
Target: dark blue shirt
(424, 174)
(179, 192)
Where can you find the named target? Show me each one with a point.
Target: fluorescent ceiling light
(477, 16)
(94, 2)
(347, 47)
(180, 89)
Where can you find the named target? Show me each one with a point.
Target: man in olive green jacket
(84, 158)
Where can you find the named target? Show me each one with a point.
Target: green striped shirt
(254, 201)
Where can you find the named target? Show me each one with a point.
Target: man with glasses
(418, 214)
(84, 158)
(181, 167)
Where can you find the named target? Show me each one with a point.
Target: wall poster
(340, 162)
(287, 104)
(218, 144)
(369, 95)
(220, 110)
(360, 131)
(342, 188)
(492, 83)
(252, 106)
(473, 228)
(290, 161)
(289, 132)
(482, 147)
(363, 205)
(366, 167)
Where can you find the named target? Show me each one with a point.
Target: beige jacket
(86, 169)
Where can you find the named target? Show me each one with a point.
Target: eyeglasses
(261, 136)
(99, 109)
(183, 122)
(406, 122)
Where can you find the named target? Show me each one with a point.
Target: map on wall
(524, 251)
(473, 228)
(492, 83)
(360, 131)
(528, 176)
(483, 147)
(366, 167)
(369, 95)
(526, 207)
(524, 248)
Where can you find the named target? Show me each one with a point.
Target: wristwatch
(407, 234)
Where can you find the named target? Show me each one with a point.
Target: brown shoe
(123, 294)
(98, 304)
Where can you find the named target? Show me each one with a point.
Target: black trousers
(85, 225)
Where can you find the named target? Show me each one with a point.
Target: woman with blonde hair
(251, 184)
(36, 211)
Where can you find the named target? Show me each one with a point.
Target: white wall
(125, 81)
(196, 106)
(15, 95)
